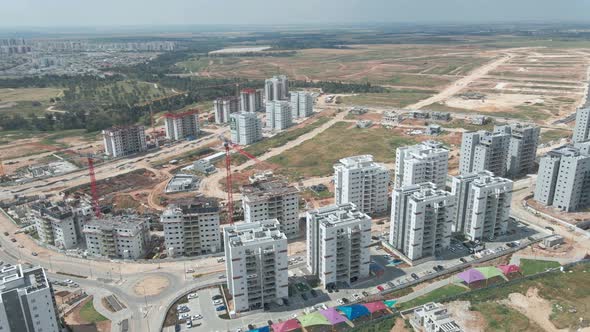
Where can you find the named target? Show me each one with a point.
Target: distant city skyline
(64, 13)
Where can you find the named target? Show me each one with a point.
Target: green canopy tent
(490, 272)
(315, 318)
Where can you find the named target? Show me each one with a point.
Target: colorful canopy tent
(490, 272)
(390, 303)
(261, 329)
(315, 318)
(354, 311)
(286, 326)
(471, 276)
(508, 269)
(333, 316)
(375, 306)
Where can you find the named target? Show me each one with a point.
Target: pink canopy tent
(375, 306)
(508, 269)
(286, 326)
(471, 276)
(333, 316)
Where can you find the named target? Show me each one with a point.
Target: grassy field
(436, 294)
(460, 123)
(531, 266)
(316, 157)
(89, 314)
(26, 100)
(554, 135)
(395, 98)
(500, 317)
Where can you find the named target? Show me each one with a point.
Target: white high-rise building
(27, 302)
(301, 104)
(484, 151)
(363, 182)
(564, 178)
(246, 128)
(224, 107)
(119, 237)
(192, 228)
(124, 141)
(421, 221)
(424, 162)
(338, 240)
(251, 100)
(276, 88)
(278, 115)
(483, 205)
(182, 125)
(522, 148)
(272, 200)
(582, 129)
(257, 264)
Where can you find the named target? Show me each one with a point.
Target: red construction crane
(93, 188)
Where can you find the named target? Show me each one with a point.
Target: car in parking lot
(192, 296)
(216, 297)
(221, 276)
(365, 293)
(415, 276)
(34, 253)
(251, 326)
(196, 317)
(183, 316)
(356, 297)
(339, 301)
(220, 308)
(463, 260)
(220, 260)
(313, 293)
(380, 288)
(6, 233)
(12, 240)
(303, 296)
(390, 284)
(345, 300)
(189, 324)
(218, 302)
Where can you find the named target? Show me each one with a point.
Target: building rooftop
(193, 206)
(131, 225)
(254, 233)
(15, 277)
(342, 214)
(425, 148)
(265, 190)
(55, 210)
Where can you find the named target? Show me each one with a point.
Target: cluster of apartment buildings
(563, 181)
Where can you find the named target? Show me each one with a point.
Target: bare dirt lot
(472, 321)
(151, 286)
(534, 307)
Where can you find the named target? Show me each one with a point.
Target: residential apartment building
(522, 152)
(421, 221)
(424, 162)
(582, 128)
(276, 88)
(118, 237)
(192, 228)
(256, 263)
(278, 115)
(124, 141)
(58, 224)
(251, 100)
(484, 151)
(182, 125)
(301, 104)
(27, 302)
(338, 240)
(433, 317)
(246, 128)
(564, 178)
(272, 200)
(225, 106)
(361, 181)
(483, 205)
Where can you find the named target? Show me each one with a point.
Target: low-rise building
(124, 141)
(338, 240)
(433, 317)
(181, 183)
(59, 224)
(272, 200)
(433, 130)
(27, 301)
(192, 227)
(117, 237)
(256, 263)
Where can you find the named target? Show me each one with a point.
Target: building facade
(483, 205)
(256, 263)
(421, 221)
(301, 104)
(124, 141)
(251, 100)
(272, 200)
(182, 125)
(582, 128)
(484, 151)
(192, 228)
(564, 178)
(338, 240)
(126, 238)
(276, 88)
(58, 224)
(246, 128)
(522, 151)
(361, 181)
(225, 106)
(424, 162)
(278, 115)
(27, 301)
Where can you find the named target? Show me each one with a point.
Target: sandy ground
(571, 217)
(472, 321)
(151, 286)
(534, 307)
(399, 326)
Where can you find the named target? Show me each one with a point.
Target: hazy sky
(18, 13)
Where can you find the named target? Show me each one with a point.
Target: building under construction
(224, 107)
(182, 125)
(124, 141)
(251, 100)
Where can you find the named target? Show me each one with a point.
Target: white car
(197, 317)
(184, 316)
(192, 296)
(190, 271)
(356, 296)
(340, 301)
(69, 281)
(218, 302)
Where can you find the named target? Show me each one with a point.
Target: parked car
(313, 293)
(220, 308)
(415, 276)
(220, 260)
(251, 326)
(390, 284)
(192, 296)
(13, 240)
(6, 233)
(303, 296)
(463, 260)
(380, 288)
(365, 293)
(269, 322)
(184, 316)
(218, 302)
(196, 317)
(216, 297)
(34, 253)
(189, 324)
(221, 276)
